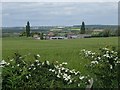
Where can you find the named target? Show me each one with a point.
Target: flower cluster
(106, 55)
(104, 65)
(67, 75)
(36, 74)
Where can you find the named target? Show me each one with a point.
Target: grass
(56, 50)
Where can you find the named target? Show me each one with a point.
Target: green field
(56, 50)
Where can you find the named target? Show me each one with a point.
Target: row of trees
(28, 34)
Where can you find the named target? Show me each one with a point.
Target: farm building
(57, 37)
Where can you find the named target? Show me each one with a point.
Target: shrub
(105, 67)
(18, 73)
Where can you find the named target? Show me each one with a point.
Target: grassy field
(56, 50)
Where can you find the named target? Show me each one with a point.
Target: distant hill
(47, 28)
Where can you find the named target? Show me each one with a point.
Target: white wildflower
(62, 68)
(56, 66)
(116, 58)
(66, 79)
(38, 64)
(53, 70)
(30, 75)
(60, 64)
(56, 61)
(66, 70)
(118, 62)
(11, 60)
(36, 60)
(58, 76)
(20, 57)
(69, 77)
(78, 84)
(64, 63)
(92, 56)
(107, 51)
(34, 68)
(8, 63)
(64, 75)
(82, 77)
(112, 51)
(83, 50)
(111, 67)
(1, 66)
(59, 71)
(70, 81)
(93, 53)
(27, 77)
(38, 55)
(32, 64)
(3, 62)
(50, 69)
(99, 58)
(47, 62)
(94, 62)
(18, 65)
(42, 63)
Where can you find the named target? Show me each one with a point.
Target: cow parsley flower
(27, 77)
(78, 84)
(11, 60)
(64, 63)
(58, 76)
(34, 68)
(62, 68)
(38, 55)
(47, 62)
(50, 69)
(32, 64)
(111, 67)
(8, 63)
(99, 58)
(82, 77)
(18, 65)
(36, 60)
(3, 62)
(53, 70)
(94, 62)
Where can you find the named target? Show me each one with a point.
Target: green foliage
(41, 36)
(18, 73)
(104, 65)
(22, 34)
(28, 29)
(105, 33)
(83, 28)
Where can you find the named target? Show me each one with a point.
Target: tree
(83, 28)
(41, 36)
(28, 29)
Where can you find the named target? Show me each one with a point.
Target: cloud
(54, 13)
(60, 1)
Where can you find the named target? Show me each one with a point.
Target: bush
(105, 67)
(18, 73)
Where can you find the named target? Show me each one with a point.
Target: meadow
(56, 50)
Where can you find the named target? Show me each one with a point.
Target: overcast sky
(51, 13)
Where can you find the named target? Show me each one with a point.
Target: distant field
(56, 50)
(75, 29)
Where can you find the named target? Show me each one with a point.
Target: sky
(59, 13)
